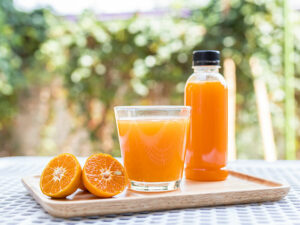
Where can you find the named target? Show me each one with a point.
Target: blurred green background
(61, 76)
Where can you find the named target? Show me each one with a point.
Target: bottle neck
(206, 69)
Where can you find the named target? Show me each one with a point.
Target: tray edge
(281, 190)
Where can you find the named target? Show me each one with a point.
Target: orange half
(81, 185)
(104, 176)
(61, 177)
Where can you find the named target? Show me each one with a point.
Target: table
(18, 207)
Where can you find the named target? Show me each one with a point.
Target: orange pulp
(153, 149)
(61, 176)
(104, 176)
(207, 143)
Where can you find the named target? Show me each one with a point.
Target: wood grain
(238, 188)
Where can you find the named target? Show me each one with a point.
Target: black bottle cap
(206, 58)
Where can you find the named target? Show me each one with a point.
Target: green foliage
(142, 61)
(250, 29)
(119, 62)
(21, 35)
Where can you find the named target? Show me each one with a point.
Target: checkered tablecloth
(18, 207)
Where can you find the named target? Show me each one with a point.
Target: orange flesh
(61, 176)
(104, 176)
(153, 149)
(207, 143)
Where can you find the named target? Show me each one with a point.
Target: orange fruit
(61, 177)
(104, 176)
(81, 185)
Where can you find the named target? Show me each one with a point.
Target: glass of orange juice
(153, 143)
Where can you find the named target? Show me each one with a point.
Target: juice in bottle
(206, 93)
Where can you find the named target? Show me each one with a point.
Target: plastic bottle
(206, 92)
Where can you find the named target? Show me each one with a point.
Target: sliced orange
(81, 185)
(104, 176)
(61, 177)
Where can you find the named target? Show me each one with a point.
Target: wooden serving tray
(238, 188)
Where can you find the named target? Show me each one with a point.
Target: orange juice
(206, 93)
(153, 149)
(207, 145)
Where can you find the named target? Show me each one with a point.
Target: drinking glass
(153, 143)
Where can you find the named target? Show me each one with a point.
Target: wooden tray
(238, 188)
